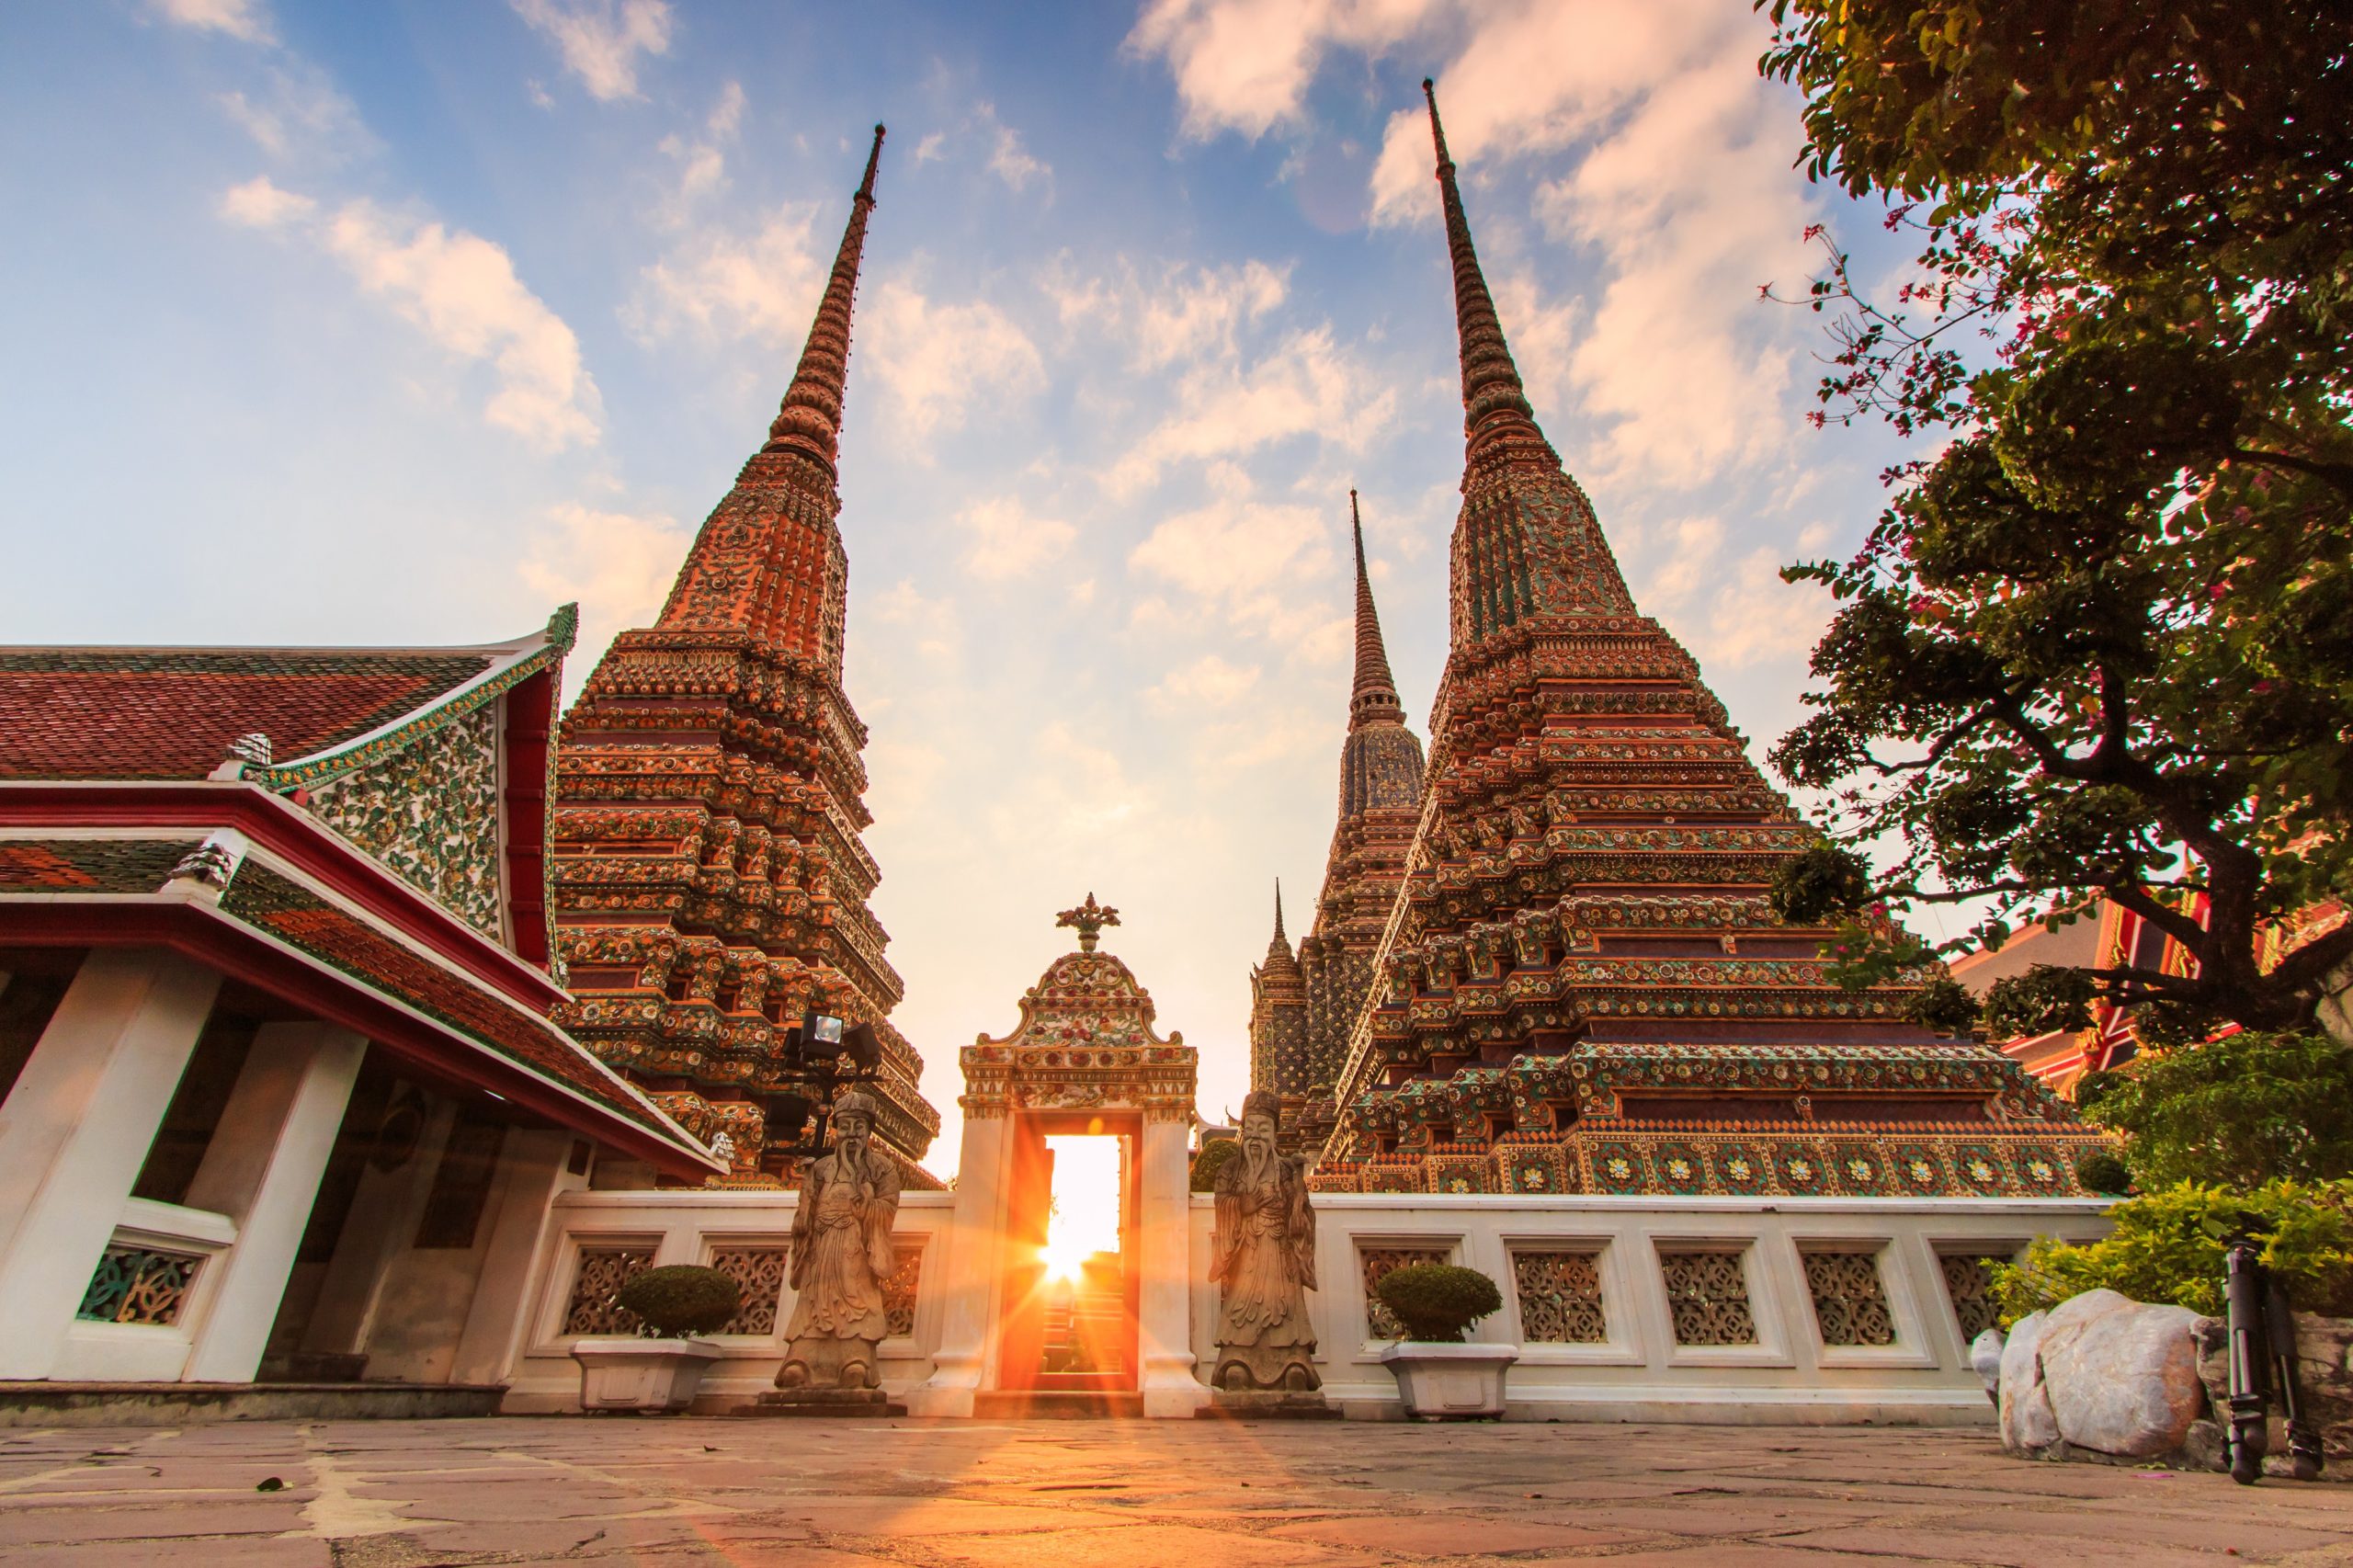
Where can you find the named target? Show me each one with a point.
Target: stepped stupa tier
(1582, 987)
(711, 885)
(1379, 804)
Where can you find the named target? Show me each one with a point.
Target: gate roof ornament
(1089, 918)
(1084, 1041)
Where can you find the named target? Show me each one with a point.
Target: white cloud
(1306, 384)
(260, 203)
(1207, 682)
(618, 566)
(931, 147)
(1008, 542)
(1183, 313)
(1245, 64)
(601, 40)
(703, 162)
(247, 19)
(938, 362)
(1264, 566)
(296, 113)
(762, 285)
(462, 290)
(1008, 160)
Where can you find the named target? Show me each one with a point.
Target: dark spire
(1279, 909)
(810, 420)
(1496, 410)
(1374, 695)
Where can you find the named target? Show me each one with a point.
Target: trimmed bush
(1436, 1302)
(1211, 1160)
(2105, 1172)
(676, 1301)
(2169, 1246)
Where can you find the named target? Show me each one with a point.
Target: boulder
(1985, 1360)
(2028, 1425)
(2121, 1375)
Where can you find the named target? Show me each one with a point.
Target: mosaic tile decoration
(430, 812)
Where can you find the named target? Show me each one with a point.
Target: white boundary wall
(1637, 1373)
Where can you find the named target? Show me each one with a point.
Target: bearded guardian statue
(1263, 1254)
(841, 1255)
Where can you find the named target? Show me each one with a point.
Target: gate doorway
(1071, 1286)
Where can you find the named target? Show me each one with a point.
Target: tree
(2101, 645)
(2234, 1112)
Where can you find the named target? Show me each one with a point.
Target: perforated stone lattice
(603, 1271)
(1969, 1284)
(1373, 1265)
(138, 1284)
(899, 1291)
(759, 1274)
(1849, 1304)
(1707, 1295)
(1560, 1297)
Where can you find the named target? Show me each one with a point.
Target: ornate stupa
(1379, 804)
(1582, 987)
(711, 885)
(1278, 1020)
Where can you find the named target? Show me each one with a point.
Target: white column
(530, 1173)
(76, 1129)
(1163, 1253)
(970, 1274)
(262, 1170)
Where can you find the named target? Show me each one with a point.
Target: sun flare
(1085, 1215)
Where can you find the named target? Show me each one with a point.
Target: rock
(1985, 1360)
(2121, 1375)
(2028, 1425)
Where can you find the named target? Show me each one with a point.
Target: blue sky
(403, 322)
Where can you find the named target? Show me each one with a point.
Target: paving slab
(686, 1491)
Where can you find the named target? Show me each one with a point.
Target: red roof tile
(171, 713)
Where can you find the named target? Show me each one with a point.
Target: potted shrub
(1439, 1376)
(658, 1368)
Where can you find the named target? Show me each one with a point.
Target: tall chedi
(1381, 801)
(711, 886)
(1278, 1052)
(1583, 986)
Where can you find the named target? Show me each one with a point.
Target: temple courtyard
(837, 1494)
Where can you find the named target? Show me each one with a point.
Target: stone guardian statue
(841, 1255)
(1262, 1255)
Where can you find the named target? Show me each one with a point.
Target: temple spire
(1496, 410)
(810, 423)
(1374, 695)
(1278, 910)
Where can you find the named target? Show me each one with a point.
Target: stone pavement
(615, 1491)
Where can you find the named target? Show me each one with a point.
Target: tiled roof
(171, 713)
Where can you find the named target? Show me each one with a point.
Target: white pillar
(77, 1127)
(970, 1274)
(532, 1172)
(262, 1170)
(1163, 1253)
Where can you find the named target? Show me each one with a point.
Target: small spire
(1374, 694)
(1279, 909)
(810, 423)
(1496, 409)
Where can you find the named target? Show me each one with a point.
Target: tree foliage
(2101, 645)
(2238, 1112)
(2169, 1246)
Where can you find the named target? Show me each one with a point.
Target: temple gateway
(367, 1027)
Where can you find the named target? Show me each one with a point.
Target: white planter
(1450, 1382)
(642, 1374)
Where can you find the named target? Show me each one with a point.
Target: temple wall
(1584, 1279)
(591, 1238)
(1597, 1268)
